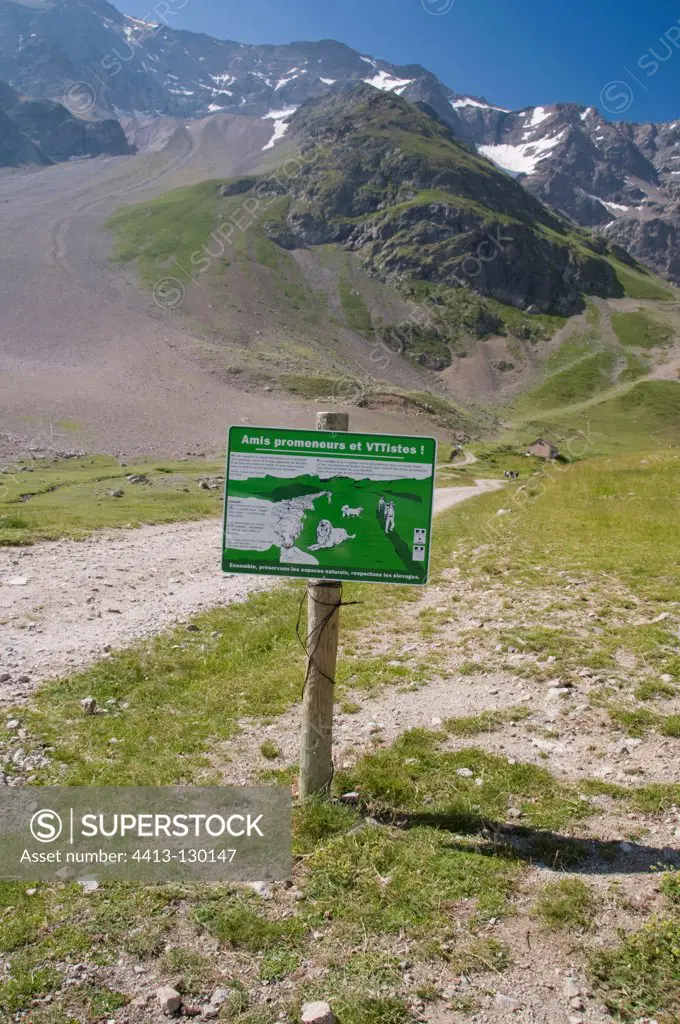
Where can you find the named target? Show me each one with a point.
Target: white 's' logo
(46, 826)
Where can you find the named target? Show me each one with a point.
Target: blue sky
(613, 54)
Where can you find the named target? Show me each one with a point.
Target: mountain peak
(136, 65)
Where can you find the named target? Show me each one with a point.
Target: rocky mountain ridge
(390, 182)
(126, 65)
(621, 179)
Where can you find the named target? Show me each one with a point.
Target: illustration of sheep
(351, 513)
(329, 536)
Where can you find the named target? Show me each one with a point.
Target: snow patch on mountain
(388, 83)
(539, 115)
(614, 207)
(468, 101)
(223, 80)
(281, 120)
(142, 24)
(290, 76)
(523, 158)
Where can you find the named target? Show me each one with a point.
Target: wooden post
(323, 626)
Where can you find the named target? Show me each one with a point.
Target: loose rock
(263, 889)
(219, 996)
(169, 1000)
(317, 1013)
(507, 1002)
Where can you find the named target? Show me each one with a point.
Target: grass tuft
(191, 972)
(243, 927)
(487, 721)
(567, 905)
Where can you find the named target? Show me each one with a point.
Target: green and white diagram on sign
(322, 505)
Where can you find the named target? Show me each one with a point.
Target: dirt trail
(81, 597)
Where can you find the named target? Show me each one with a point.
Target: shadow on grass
(540, 846)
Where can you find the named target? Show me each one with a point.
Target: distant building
(542, 449)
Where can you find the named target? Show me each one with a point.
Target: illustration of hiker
(381, 507)
(389, 517)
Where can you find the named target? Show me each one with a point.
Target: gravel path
(64, 603)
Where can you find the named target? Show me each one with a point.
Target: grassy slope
(162, 235)
(644, 417)
(640, 330)
(45, 500)
(592, 390)
(639, 283)
(579, 382)
(611, 515)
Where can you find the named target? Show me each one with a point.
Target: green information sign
(322, 505)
